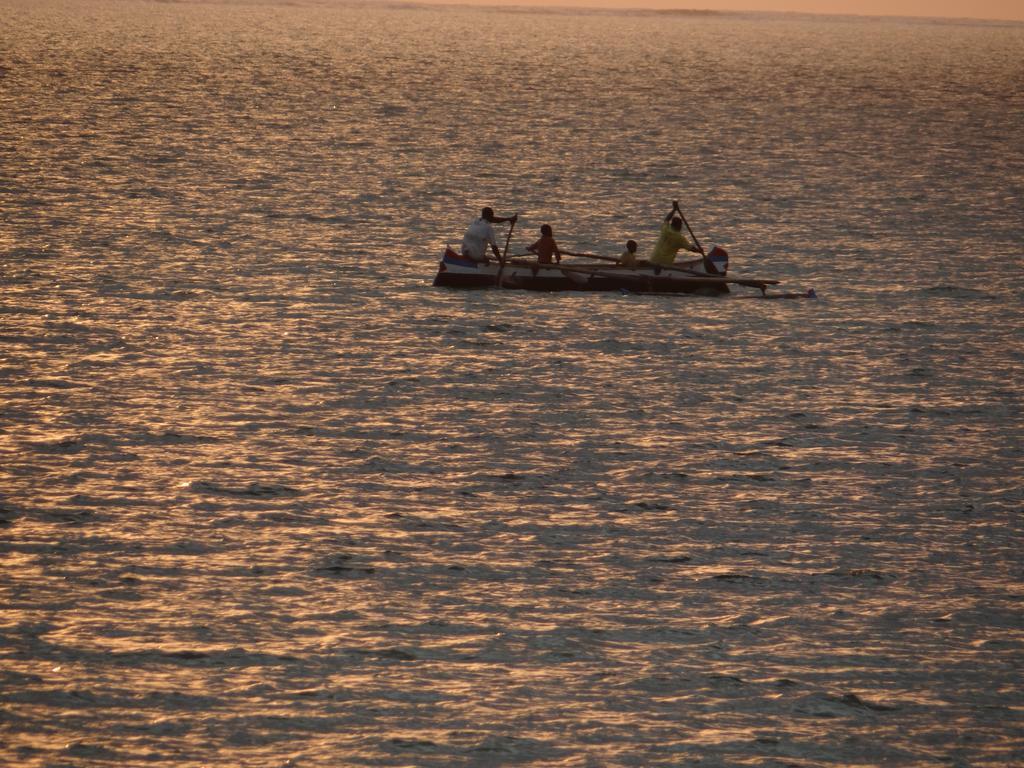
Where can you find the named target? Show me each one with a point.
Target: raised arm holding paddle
(481, 234)
(671, 238)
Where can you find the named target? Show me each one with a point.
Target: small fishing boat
(705, 276)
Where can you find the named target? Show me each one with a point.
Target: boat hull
(454, 271)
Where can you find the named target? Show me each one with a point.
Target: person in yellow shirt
(671, 239)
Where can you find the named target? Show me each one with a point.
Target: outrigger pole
(694, 277)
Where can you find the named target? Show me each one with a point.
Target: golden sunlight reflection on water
(267, 497)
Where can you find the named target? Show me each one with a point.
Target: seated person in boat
(481, 234)
(628, 257)
(546, 247)
(671, 239)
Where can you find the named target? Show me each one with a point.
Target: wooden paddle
(590, 256)
(614, 260)
(529, 254)
(504, 254)
(675, 204)
(579, 269)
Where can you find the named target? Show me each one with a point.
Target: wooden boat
(705, 276)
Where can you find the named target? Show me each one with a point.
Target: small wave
(256, 490)
(956, 292)
(165, 294)
(342, 564)
(171, 437)
(53, 384)
(855, 701)
(71, 443)
(8, 514)
(312, 218)
(46, 252)
(166, 236)
(86, 750)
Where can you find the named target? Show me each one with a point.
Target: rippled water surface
(268, 498)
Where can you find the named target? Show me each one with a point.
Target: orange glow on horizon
(995, 10)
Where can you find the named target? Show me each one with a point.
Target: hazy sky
(976, 9)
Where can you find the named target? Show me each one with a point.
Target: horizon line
(555, 7)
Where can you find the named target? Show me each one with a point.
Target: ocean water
(268, 498)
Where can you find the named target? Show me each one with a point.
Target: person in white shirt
(481, 234)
